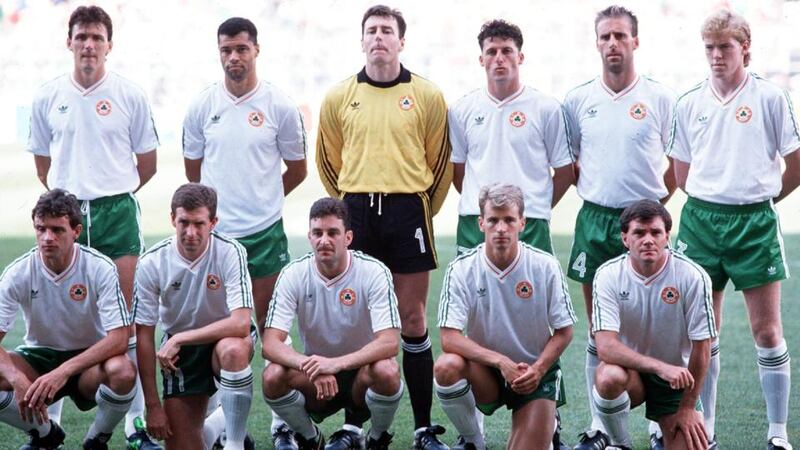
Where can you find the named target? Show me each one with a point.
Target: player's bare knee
(233, 353)
(120, 374)
(413, 323)
(768, 336)
(449, 368)
(385, 375)
(275, 381)
(610, 379)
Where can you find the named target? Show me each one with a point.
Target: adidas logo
(63, 109)
(624, 296)
(355, 105)
(34, 293)
(176, 286)
(481, 292)
(592, 112)
(215, 119)
(771, 270)
(479, 120)
(703, 119)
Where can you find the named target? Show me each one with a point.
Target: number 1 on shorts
(418, 235)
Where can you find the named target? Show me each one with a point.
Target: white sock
(654, 428)
(236, 396)
(708, 395)
(277, 421)
(458, 402)
(592, 362)
(54, 411)
(614, 414)
(137, 405)
(382, 409)
(9, 413)
(111, 408)
(214, 424)
(292, 407)
(775, 375)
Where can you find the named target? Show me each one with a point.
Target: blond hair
(725, 22)
(502, 196)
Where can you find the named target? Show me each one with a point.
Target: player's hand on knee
(326, 386)
(677, 377)
(528, 381)
(316, 365)
(168, 354)
(511, 370)
(43, 390)
(689, 424)
(158, 423)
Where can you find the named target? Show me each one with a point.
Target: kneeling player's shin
(236, 397)
(458, 403)
(382, 409)
(292, 407)
(111, 409)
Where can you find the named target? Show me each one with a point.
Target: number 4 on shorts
(580, 264)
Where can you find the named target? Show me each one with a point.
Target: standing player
(82, 353)
(619, 127)
(508, 132)
(729, 135)
(85, 127)
(507, 296)
(348, 321)
(197, 286)
(383, 148)
(235, 135)
(653, 322)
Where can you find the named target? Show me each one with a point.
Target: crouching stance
(507, 296)
(653, 323)
(76, 325)
(347, 316)
(197, 286)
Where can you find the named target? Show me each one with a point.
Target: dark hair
(500, 29)
(192, 196)
(90, 14)
(330, 206)
(618, 11)
(58, 203)
(645, 211)
(385, 11)
(236, 25)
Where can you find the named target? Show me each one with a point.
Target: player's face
(646, 241)
(501, 59)
(54, 237)
(329, 239)
(237, 55)
(193, 229)
(725, 55)
(616, 44)
(381, 41)
(89, 45)
(501, 227)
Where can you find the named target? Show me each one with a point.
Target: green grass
(741, 416)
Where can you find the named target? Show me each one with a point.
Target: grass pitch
(741, 413)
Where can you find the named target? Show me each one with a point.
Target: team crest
(78, 292)
(744, 114)
(103, 107)
(255, 119)
(347, 296)
(524, 290)
(670, 295)
(517, 119)
(213, 282)
(638, 111)
(406, 103)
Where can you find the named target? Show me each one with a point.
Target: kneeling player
(76, 331)
(197, 286)
(507, 296)
(653, 323)
(347, 316)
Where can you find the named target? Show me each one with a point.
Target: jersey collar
(725, 100)
(501, 274)
(620, 94)
(501, 103)
(90, 89)
(58, 277)
(332, 282)
(191, 265)
(404, 77)
(239, 100)
(647, 281)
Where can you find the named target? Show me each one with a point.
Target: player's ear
(521, 57)
(480, 222)
(213, 223)
(348, 237)
(402, 44)
(110, 46)
(172, 219)
(636, 42)
(625, 240)
(77, 230)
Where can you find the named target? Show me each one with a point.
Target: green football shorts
(111, 225)
(551, 387)
(536, 233)
(267, 250)
(661, 400)
(343, 399)
(742, 243)
(596, 240)
(44, 360)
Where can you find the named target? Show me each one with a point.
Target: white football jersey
(658, 316)
(72, 310)
(339, 316)
(511, 311)
(734, 144)
(186, 295)
(242, 142)
(91, 134)
(516, 140)
(619, 139)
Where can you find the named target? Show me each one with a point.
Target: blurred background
(169, 48)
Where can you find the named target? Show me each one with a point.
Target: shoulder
(51, 87)
(691, 94)
(466, 101)
(19, 265)
(465, 260)
(686, 266)
(540, 257)
(340, 90)
(203, 98)
(766, 88)
(657, 89)
(97, 260)
(546, 103)
(368, 263)
(125, 86)
(298, 266)
(276, 97)
(228, 245)
(611, 266)
(156, 250)
(426, 88)
(580, 90)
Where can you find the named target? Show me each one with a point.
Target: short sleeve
(458, 136)
(238, 288)
(143, 135)
(560, 311)
(453, 306)
(291, 132)
(110, 302)
(40, 134)
(605, 309)
(555, 137)
(382, 299)
(194, 141)
(283, 305)
(146, 292)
